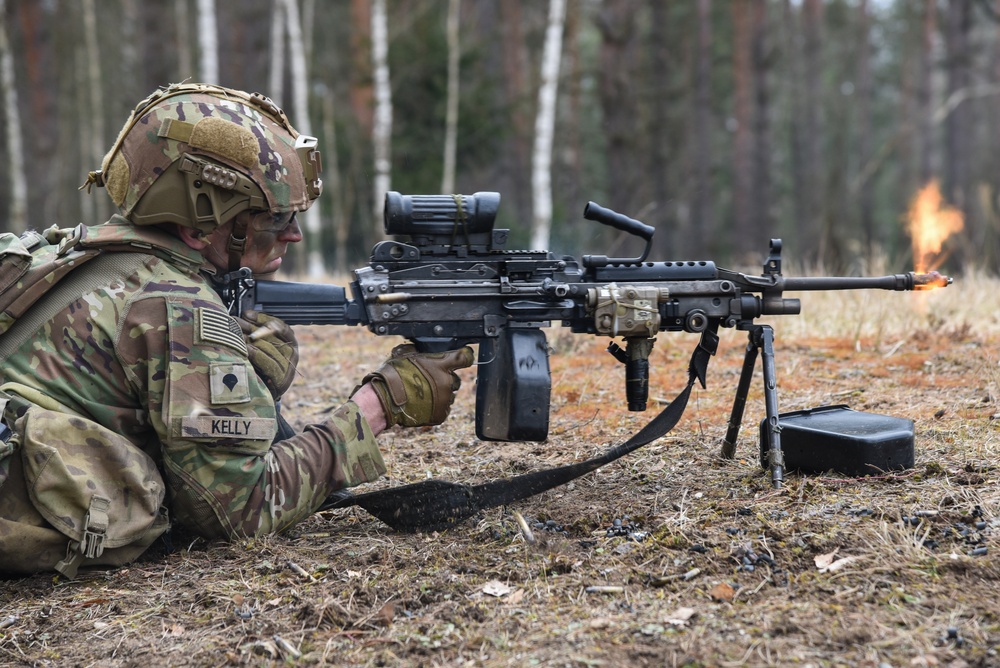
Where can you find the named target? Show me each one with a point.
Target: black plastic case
(836, 438)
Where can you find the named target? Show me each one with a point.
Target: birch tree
(208, 41)
(17, 216)
(541, 160)
(300, 108)
(276, 74)
(382, 128)
(451, 114)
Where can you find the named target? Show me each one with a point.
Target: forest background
(722, 123)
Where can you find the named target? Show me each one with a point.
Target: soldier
(134, 400)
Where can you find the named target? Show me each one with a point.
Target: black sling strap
(433, 505)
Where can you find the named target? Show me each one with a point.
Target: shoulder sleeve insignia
(219, 328)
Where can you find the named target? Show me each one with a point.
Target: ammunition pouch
(72, 494)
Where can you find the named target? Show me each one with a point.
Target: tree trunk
(451, 112)
(516, 90)
(743, 209)
(619, 107)
(309, 21)
(17, 213)
(276, 71)
(959, 188)
(865, 91)
(362, 86)
(382, 129)
(928, 165)
(208, 42)
(185, 68)
(663, 151)
(95, 110)
(567, 180)
(300, 119)
(761, 222)
(813, 241)
(333, 184)
(703, 195)
(545, 121)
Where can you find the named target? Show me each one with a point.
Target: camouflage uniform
(151, 354)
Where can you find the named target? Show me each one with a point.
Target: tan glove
(416, 388)
(273, 350)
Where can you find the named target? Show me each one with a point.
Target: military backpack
(72, 492)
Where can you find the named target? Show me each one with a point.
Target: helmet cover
(197, 154)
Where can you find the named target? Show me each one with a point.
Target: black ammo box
(836, 438)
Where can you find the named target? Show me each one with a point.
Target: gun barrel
(899, 282)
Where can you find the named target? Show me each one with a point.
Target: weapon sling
(432, 505)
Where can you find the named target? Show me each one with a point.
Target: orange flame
(930, 223)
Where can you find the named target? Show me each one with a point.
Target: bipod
(761, 339)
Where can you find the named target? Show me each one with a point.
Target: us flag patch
(217, 327)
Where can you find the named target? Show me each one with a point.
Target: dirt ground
(672, 556)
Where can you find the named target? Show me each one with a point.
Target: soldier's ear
(195, 239)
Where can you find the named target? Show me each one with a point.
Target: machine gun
(452, 283)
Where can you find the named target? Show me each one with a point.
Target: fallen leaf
(516, 597)
(722, 592)
(496, 588)
(824, 560)
(385, 614)
(680, 616)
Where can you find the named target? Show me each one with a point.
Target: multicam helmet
(197, 155)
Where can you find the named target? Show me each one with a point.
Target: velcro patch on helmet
(225, 139)
(117, 178)
(220, 328)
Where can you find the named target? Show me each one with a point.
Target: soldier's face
(267, 242)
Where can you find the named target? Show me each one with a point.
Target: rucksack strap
(94, 272)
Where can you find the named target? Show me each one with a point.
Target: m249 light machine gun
(452, 283)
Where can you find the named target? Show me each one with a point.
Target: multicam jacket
(152, 354)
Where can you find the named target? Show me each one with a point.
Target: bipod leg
(740, 402)
(776, 458)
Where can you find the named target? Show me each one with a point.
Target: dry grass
(342, 589)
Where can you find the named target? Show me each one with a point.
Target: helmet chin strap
(237, 242)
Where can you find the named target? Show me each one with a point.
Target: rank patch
(229, 382)
(220, 328)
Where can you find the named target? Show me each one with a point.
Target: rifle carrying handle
(618, 221)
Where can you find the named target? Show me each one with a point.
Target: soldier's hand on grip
(417, 389)
(274, 351)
